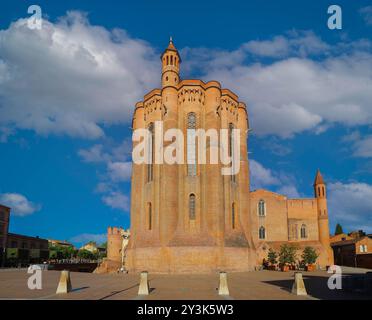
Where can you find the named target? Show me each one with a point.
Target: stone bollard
(144, 284)
(64, 285)
(299, 285)
(223, 289)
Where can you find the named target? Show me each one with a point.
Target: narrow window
(171, 60)
(191, 152)
(231, 150)
(192, 206)
(233, 216)
(167, 60)
(303, 232)
(261, 208)
(151, 154)
(262, 233)
(323, 191)
(149, 216)
(319, 191)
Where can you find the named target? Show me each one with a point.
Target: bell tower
(171, 61)
(320, 193)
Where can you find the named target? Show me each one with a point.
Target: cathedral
(189, 218)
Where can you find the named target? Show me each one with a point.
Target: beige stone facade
(194, 219)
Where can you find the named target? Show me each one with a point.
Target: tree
(309, 255)
(272, 256)
(338, 229)
(86, 254)
(287, 254)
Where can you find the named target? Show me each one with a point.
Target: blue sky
(68, 90)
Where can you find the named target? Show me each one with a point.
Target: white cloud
(94, 154)
(117, 200)
(71, 77)
(295, 92)
(120, 171)
(302, 43)
(264, 178)
(289, 190)
(87, 237)
(366, 12)
(19, 204)
(261, 176)
(351, 204)
(363, 147)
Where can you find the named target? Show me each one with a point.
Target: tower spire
(170, 65)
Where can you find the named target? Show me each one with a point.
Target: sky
(67, 93)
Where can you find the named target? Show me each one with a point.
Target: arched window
(149, 216)
(261, 208)
(323, 191)
(151, 154)
(319, 191)
(192, 206)
(303, 231)
(191, 152)
(231, 150)
(167, 60)
(171, 60)
(233, 216)
(262, 233)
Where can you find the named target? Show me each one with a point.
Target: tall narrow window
(151, 154)
(192, 206)
(261, 208)
(262, 233)
(233, 216)
(149, 216)
(231, 150)
(303, 232)
(191, 152)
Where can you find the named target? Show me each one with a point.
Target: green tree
(338, 229)
(272, 256)
(309, 255)
(287, 254)
(86, 254)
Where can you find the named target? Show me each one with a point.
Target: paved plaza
(248, 286)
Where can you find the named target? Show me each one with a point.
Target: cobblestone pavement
(248, 285)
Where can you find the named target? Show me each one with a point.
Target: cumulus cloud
(366, 13)
(308, 86)
(117, 200)
(19, 204)
(261, 176)
(361, 146)
(302, 43)
(351, 204)
(71, 77)
(264, 178)
(87, 237)
(120, 171)
(94, 154)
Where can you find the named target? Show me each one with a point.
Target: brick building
(190, 217)
(4, 228)
(353, 252)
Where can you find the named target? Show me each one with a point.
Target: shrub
(272, 256)
(287, 254)
(309, 255)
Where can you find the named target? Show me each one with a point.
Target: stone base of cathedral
(172, 260)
